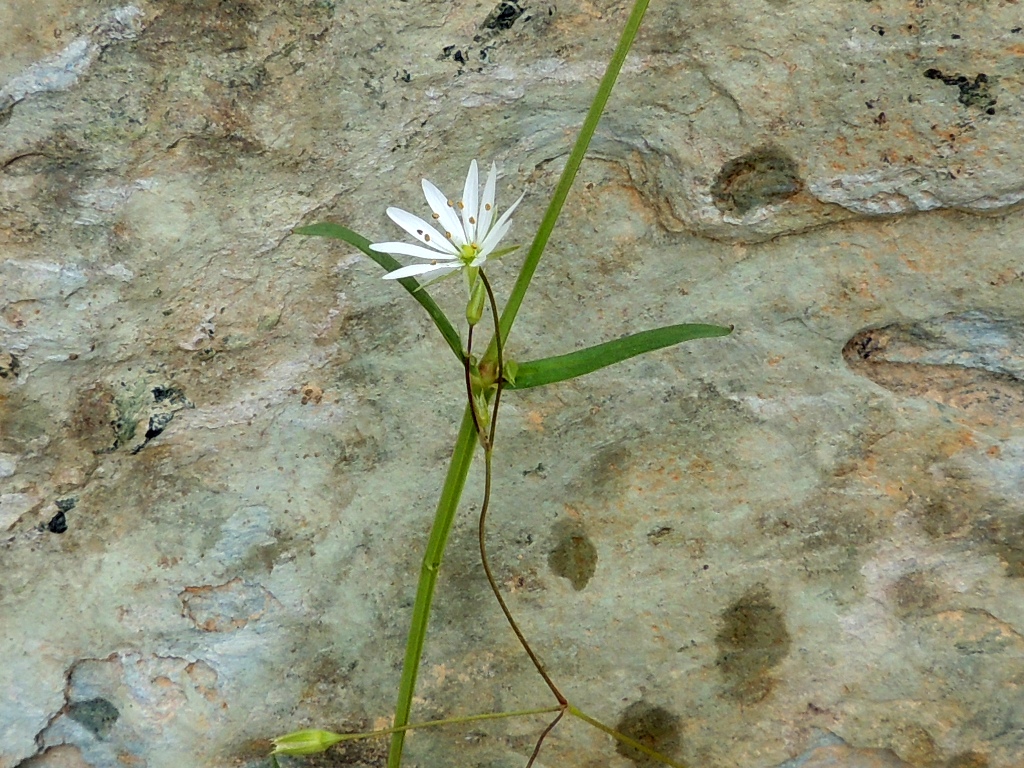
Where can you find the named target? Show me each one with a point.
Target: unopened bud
(308, 742)
(475, 307)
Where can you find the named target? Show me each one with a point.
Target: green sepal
(475, 306)
(494, 255)
(510, 372)
(536, 373)
(388, 262)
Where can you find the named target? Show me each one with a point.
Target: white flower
(459, 243)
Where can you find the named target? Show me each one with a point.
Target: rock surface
(221, 444)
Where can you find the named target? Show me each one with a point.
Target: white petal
(408, 249)
(470, 201)
(419, 269)
(500, 229)
(487, 203)
(422, 231)
(445, 213)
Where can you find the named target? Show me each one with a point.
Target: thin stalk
(544, 735)
(485, 506)
(572, 165)
(482, 535)
(444, 517)
(449, 721)
(499, 378)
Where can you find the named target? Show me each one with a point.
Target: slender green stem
(572, 165)
(444, 517)
(449, 721)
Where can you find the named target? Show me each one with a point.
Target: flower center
(468, 252)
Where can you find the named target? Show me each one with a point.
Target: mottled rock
(732, 546)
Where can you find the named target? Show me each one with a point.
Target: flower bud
(308, 742)
(475, 307)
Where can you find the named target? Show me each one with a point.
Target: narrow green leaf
(562, 367)
(444, 518)
(387, 262)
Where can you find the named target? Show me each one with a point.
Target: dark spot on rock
(863, 345)
(157, 424)
(502, 16)
(190, 25)
(659, 533)
(944, 517)
(968, 760)
(10, 366)
(66, 505)
(1004, 534)
(574, 556)
(763, 177)
(58, 523)
(94, 420)
(752, 640)
(654, 727)
(98, 715)
(459, 57)
(604, 473)
(915, 594)
(973, 362)
(173, 394)
(975, 93)
(953, 509)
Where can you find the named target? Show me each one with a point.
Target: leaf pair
(534, 373)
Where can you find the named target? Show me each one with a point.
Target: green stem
(449, 721)
(547, 224)
(444, 517)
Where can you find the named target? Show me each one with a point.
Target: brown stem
(485, 506)
(540, 741)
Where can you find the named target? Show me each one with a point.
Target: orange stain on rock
(535, 421)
